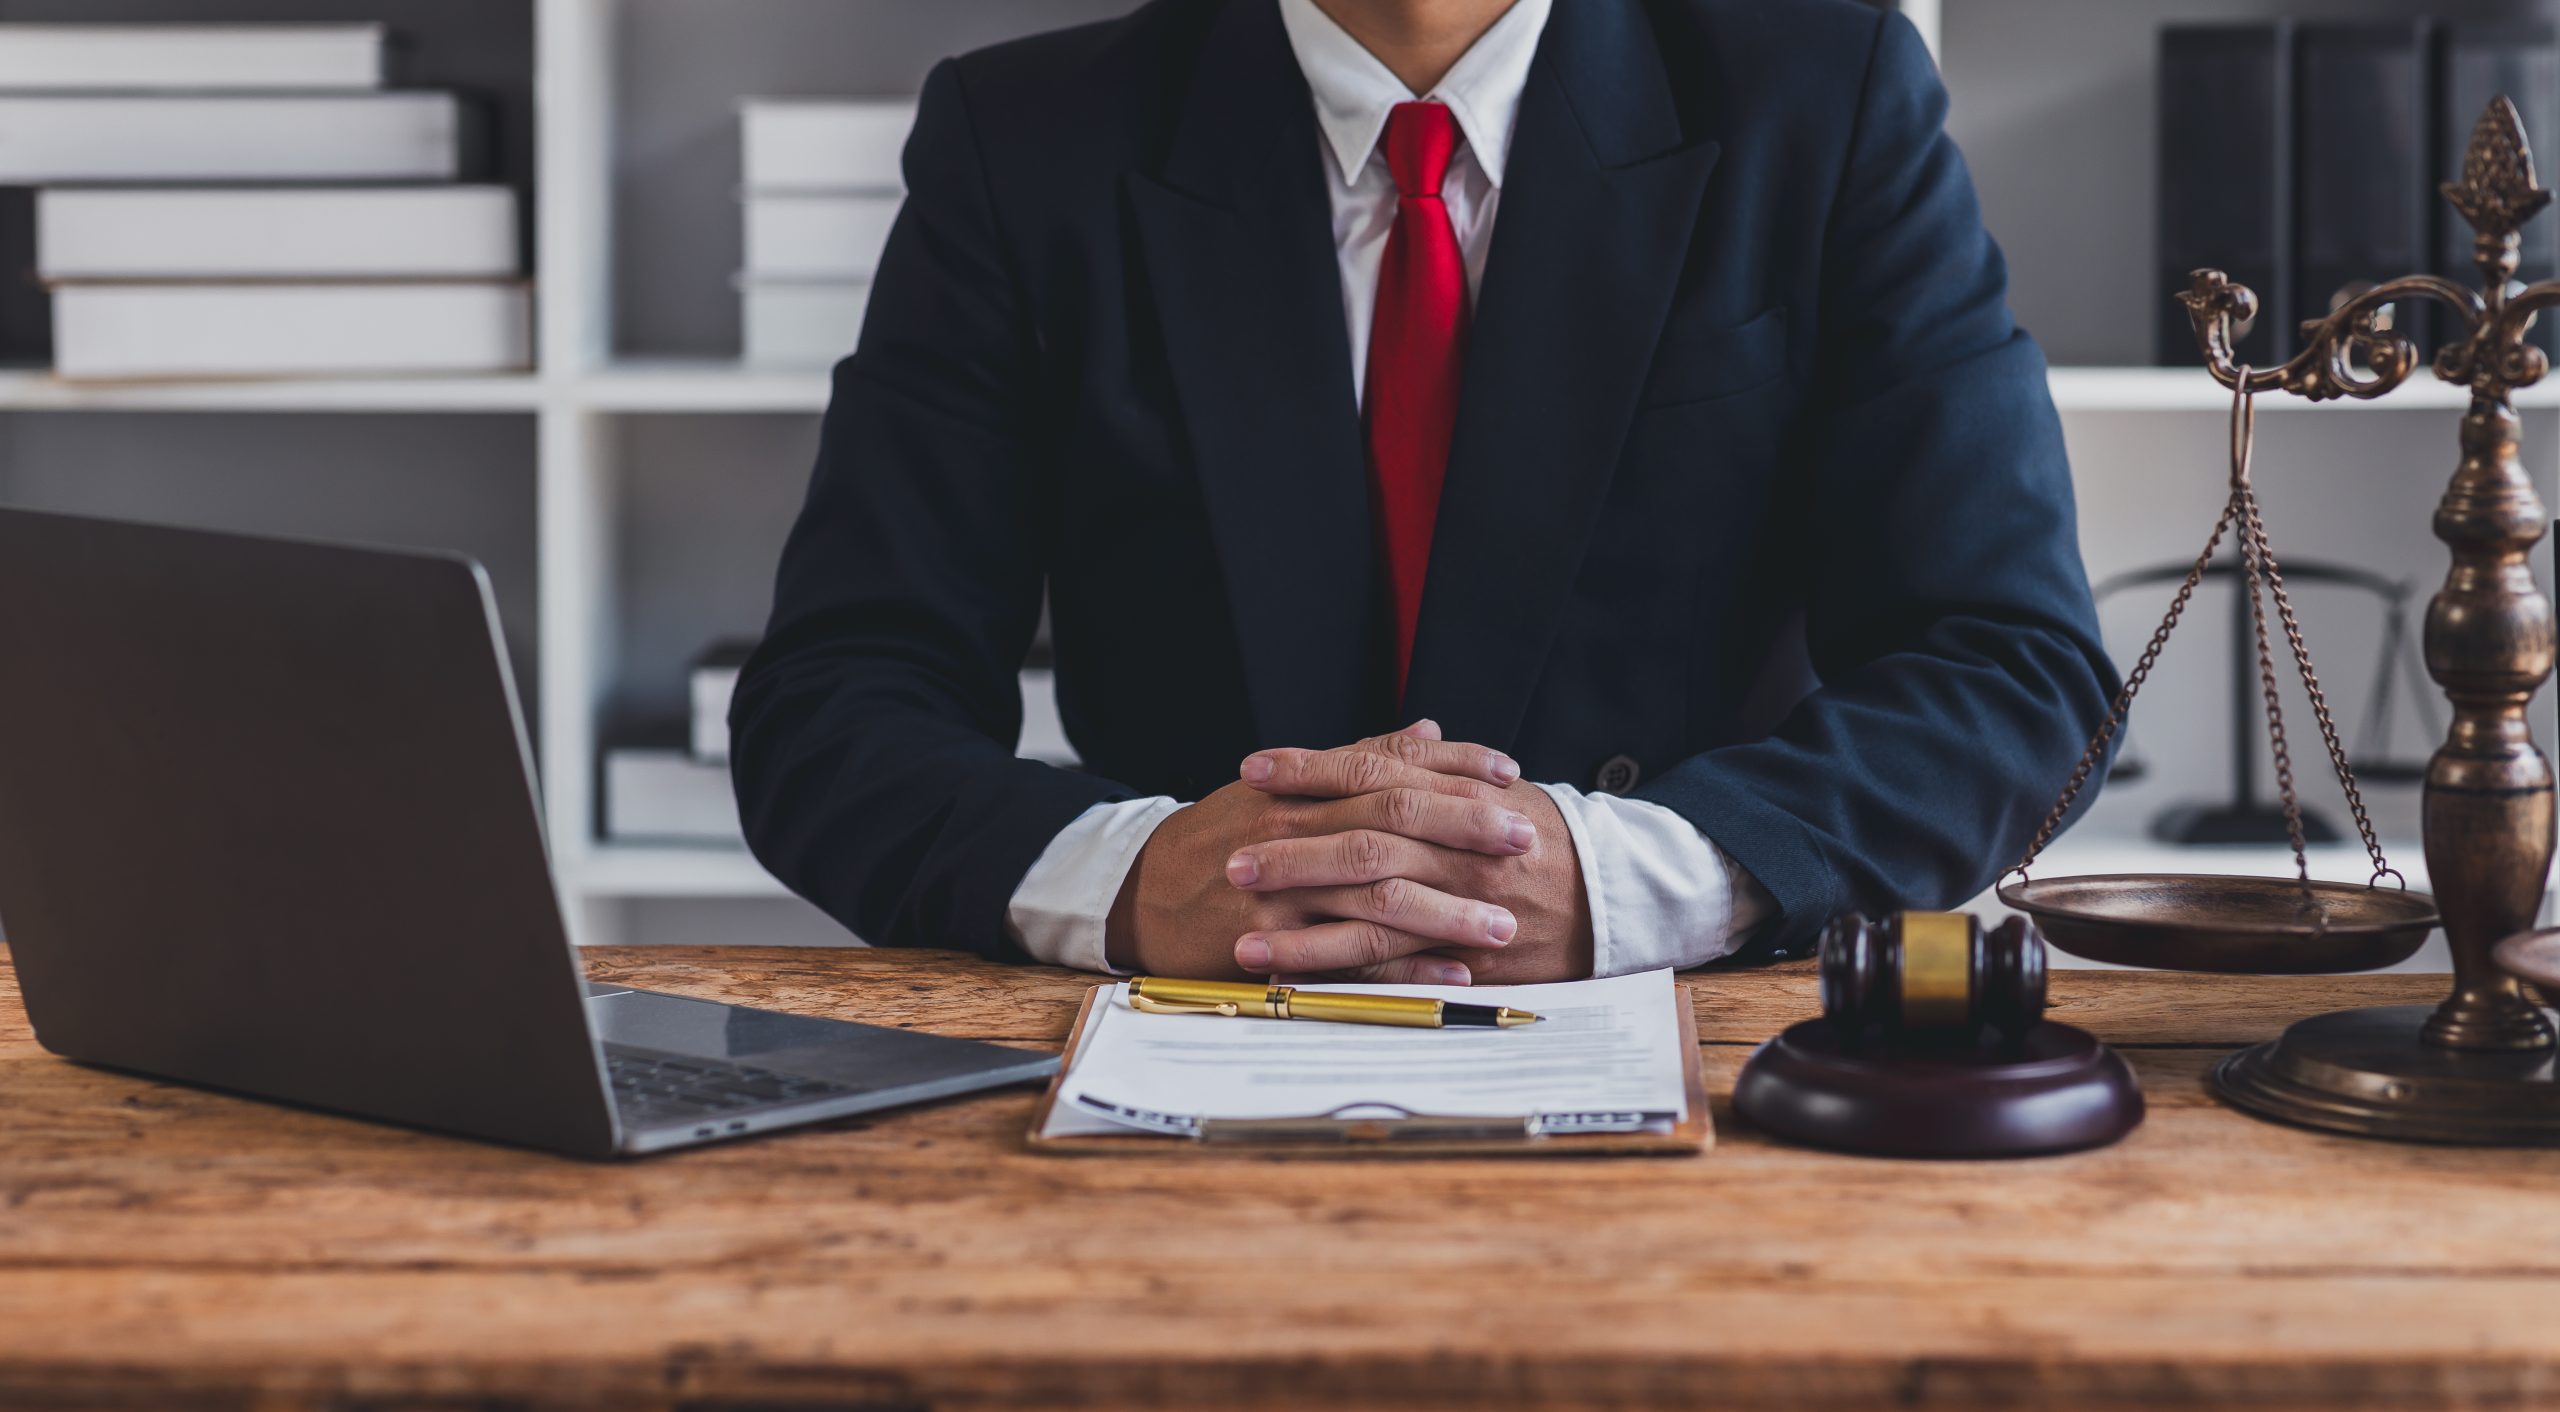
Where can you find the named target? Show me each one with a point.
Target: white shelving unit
(23, 390)
(585, 401)
(2192, 390)
(706, 387)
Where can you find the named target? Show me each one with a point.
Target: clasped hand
(1404, 858)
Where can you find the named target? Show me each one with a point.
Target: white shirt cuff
(1062, 911)
(1661, 893)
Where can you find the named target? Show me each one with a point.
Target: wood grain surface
(161, 1247)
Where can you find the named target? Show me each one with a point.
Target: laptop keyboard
(652, 1089)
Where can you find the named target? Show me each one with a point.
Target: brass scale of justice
(2478, 1068)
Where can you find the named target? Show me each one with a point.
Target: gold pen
(1158, 996)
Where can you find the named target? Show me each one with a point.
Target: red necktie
(1417, 356)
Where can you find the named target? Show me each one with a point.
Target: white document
(824, 144)
(1607, 1057)
(289, 330)
(102, 137)
(308, 232)
(62, 57)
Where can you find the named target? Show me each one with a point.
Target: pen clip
(1182, 1007)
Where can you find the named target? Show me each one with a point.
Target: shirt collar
(1354, 91)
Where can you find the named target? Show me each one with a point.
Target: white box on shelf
(712, 682)
(801, 323)
(148, 330)
(667, 796)
(1044, 735)
(713, 689)
(66, 57)
(76, 137)
(824, 144)
(217, 232)
(818, 235)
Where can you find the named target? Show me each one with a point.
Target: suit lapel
(1237, 237)
(1598, 204)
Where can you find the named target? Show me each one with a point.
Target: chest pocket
(1699, 364)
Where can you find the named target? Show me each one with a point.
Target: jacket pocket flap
(1694, 365)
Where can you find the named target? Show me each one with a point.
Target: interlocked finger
(1447, 757)
(1424, 969)
(1357, 770)
(1478, 826)
(1333, 860)
(1344, 948)
(1403, 906)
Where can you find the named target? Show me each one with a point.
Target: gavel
(1932, 974)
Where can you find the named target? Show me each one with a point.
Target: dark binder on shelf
(2363, 168)
(2474, 64)
(2226, 181)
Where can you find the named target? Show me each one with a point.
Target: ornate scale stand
(2478, 1068)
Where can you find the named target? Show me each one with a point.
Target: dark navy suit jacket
(1755, 482)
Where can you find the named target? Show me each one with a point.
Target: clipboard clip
(1374, 1123)
(1181, 1007)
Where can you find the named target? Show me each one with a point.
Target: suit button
(1618, 775)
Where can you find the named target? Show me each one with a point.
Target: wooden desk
(162, 1247)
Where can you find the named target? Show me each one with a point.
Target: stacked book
(683, 796)
(252, 200)
(822, 187)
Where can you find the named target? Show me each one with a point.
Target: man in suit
(1619, 396)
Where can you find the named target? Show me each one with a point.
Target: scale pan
(2249, 926)
(2535, 957)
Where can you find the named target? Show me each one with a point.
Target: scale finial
(2497, 193)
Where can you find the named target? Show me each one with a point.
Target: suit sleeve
(1948, 616)
(873, 731)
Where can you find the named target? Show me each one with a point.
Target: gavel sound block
(1933, 1043)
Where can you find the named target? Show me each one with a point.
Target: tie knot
(1420, 140)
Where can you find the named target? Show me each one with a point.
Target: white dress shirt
(1660, 893)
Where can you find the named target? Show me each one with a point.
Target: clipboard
(1412, 1135)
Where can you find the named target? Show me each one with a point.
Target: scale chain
(2257, 531)
(2255, 565)
(2240, 514)
(2124, 698)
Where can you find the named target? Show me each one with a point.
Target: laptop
(269, 824)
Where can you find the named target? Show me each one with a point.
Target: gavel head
(1932, 973)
